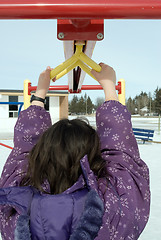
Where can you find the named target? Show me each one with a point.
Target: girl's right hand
(43, 86)
(107, 79)
(43, 83)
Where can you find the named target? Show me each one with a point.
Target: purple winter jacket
(113, 209)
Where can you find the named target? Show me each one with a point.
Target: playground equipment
(82, 9)
(77, 59)
(81, 20)
(28, 89)
(13, 103)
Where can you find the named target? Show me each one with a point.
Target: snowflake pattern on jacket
(126, 194)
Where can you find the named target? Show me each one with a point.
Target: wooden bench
(143, 134)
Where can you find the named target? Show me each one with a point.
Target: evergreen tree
(73, 105)
(131, 105)
(81, 105)
(89, 106)
(157, 100)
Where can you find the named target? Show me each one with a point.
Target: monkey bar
(82, 9)
(28, 89)
(66, 87)
(79, 20)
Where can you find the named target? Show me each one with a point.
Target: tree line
(151, 101)
(84, 104)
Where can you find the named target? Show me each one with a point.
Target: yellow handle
(65, 71)
(62, 67)
(84, 58)
(85, 68)
(78, 59)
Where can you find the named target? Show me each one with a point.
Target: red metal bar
(4, 145)
(91, 87)
(85, 9)
(66, 87)
(51, 88)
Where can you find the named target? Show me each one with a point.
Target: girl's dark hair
(56, 157)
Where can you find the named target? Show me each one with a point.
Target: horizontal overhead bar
(66, 87)
(80, 9)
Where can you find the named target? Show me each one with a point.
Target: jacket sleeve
(118, 143)
(31, 123)
(128, 175)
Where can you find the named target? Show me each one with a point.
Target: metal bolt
(100, 36)
(61, 35)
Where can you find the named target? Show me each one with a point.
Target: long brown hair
(56, 157)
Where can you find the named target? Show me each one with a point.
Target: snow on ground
(150, 153)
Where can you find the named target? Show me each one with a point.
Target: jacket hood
(90, 221)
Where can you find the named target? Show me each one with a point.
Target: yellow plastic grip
(78, 59)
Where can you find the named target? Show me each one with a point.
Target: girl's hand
(43, 86)
(107, 79)
(43, 83)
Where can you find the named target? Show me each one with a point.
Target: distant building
(144, 111)
(56, 104)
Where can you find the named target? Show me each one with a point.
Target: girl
(68, 181)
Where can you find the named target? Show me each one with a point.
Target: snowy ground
(150, 153)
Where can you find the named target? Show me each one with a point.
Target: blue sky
(131, 47)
